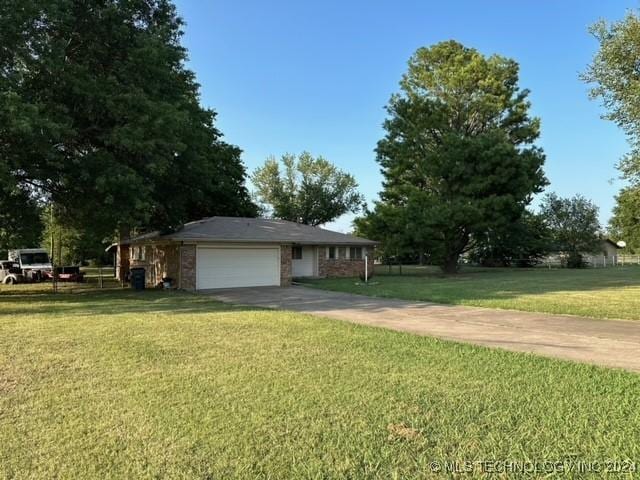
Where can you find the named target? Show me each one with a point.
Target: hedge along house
(229, 252)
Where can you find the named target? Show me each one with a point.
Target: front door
(303, 261)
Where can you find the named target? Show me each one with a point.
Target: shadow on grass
(114, 301)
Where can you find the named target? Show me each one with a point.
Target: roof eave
(169, 238)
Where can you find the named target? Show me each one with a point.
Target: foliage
(625, 223)
(99, 115)
(614, 71)
(20, 225)
(121, 385)
(458, 157)
(595, 292)
(310, 190)
(389, 229)
(523, 243)
(72, 246)
(574, 225)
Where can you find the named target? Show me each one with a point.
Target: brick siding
(339, 267)
(285, 265)
(188, 267)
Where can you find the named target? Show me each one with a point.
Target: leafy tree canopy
(71, 246)
(625, 223)
(99, 115)
(458, 157)
(614, 73)
(574, 225)
(388, 226)
(20, 225)
(308, 190)
(523, 243)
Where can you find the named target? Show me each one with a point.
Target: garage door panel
(237, 267)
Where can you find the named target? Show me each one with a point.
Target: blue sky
(288, 76)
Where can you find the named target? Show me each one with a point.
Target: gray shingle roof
(258, 230)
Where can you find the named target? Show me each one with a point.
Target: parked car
(10, 272)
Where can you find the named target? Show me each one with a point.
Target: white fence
(615, 261)
(595, 261)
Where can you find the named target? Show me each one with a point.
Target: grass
(122, 384)
(595, 292)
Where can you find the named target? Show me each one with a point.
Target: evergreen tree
(458, 157)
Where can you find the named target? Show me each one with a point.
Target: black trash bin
(137, 278)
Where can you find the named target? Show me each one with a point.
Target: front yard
(118, 384)
(595, 292)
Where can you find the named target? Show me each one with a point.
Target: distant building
(605, 255)
(609, 248)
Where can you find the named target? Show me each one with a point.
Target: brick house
(227, 252)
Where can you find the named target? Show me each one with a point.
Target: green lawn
(119, 384)
(595, 292)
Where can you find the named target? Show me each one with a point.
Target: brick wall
(339, 267)
(188, 270)
(285, 265)
(165, 264)
(160, 261)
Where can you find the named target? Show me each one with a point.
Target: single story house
(609, 248)
(605, 254)
(226, 252)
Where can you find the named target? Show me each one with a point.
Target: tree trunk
(450, 263)
(453, 250)
(450, 267)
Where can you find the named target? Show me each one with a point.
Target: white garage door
(237, 267)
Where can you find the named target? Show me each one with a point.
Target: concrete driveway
(612, 343)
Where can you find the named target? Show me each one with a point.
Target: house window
(296, 253)
(355, 253)
(342, 252)
(138, 253)
(331, 253)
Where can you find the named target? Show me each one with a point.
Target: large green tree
(99, 116)
(616, 81)
(625, 222)
(458, 157)
(20, 225)
(523, 243)
(391, 230)
(615, 76)
(309, 190)
(574, 226)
